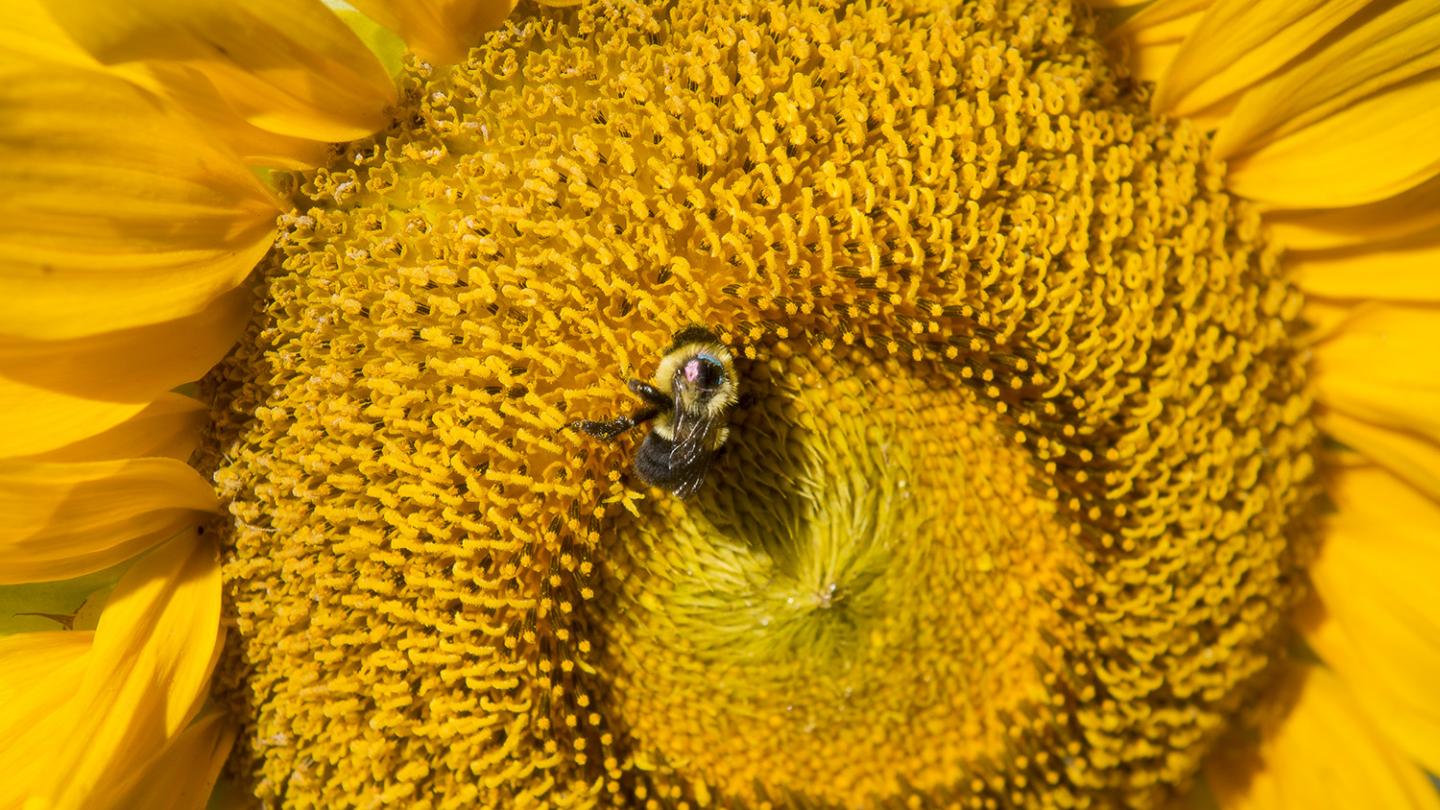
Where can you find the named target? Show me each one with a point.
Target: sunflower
(1089, 453)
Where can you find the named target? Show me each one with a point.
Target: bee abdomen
(655, 466)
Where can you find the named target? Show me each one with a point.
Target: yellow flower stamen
(1015, 517)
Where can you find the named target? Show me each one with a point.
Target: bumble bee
(694, 388)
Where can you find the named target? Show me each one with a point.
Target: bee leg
(651, 394)
(610, 428)
(606, 430)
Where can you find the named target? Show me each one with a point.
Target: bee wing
(690, 483)
(691, 433)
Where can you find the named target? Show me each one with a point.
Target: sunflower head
(1015, 515)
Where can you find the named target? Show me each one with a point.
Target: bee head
(703, 372)
(698, 375)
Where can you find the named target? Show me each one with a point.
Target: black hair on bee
(694, 388)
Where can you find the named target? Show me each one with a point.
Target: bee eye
(704, 371)
(710, 374)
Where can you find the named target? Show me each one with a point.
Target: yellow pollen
(1014, 517)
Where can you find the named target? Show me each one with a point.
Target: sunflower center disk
(1012, 519)
(857, 601)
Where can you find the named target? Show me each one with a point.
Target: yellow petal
(1380, 366)
(64, 520)
(1408, 455)
(118, 212)
(27, 659)
(1239, 42)
(1377, 147)
(167, 428)
(1149, 62)
(144, 678)
(29, 32)
(191, 91)
(1402, 216)
(1402, 270)
(183, 775)
(1152, 38)
(1366, 54)
(53, 393)
(1159, 15)
(1323, 754)
(39, 674)
(441, 31)
(385, 43)
(1324, 316)
(287, 66)
(1376, 621)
